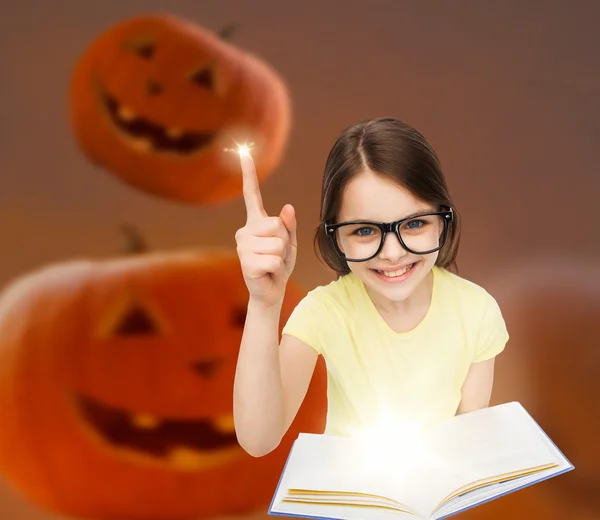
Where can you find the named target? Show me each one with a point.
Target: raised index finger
(251, 189)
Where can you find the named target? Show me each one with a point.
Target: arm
(271, 381)
(491, 339)
(477, 388)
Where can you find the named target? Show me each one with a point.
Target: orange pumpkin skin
(183, 96)
(109, 368)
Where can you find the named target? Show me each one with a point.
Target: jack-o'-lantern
(552, 366)
(156, 101)
(116, 388)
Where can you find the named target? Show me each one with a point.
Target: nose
(392, 248)
(206, 368)
(154, 87)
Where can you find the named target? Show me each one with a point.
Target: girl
(402, 336)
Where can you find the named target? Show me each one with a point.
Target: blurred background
(507, 94)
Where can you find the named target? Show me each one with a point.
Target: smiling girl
(403, 337)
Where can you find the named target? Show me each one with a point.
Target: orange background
(506, 93)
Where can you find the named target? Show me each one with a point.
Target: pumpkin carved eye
(146, 51)
(143, 48)
(132, 316)
(137, 321)
(203, 77)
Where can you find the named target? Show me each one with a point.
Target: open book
(458, 464)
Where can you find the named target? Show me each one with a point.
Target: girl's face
(394, 273)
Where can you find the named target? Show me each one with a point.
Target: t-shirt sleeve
(304, 322)
(493, 335)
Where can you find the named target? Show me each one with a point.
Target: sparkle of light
(244, 150)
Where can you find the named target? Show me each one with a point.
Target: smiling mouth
(186, 444)
(147, 136)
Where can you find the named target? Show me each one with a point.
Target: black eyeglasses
(417, 234)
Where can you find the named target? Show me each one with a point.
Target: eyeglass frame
(391, 227)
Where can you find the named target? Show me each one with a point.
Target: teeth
(392, 274)
(126, 114)
(144, 421)
(224, 424)
(174, 133)
(142, 145)
(182, 457)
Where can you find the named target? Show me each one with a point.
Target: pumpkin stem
(226, 32)
(134, 241)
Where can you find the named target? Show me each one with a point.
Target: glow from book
(392, 437)
(378, 475)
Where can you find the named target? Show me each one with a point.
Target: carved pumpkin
(116, 389)
(157, 99)
(552, 366)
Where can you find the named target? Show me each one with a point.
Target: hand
(267, 246)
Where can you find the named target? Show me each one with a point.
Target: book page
(489, 492)
(460, 454)
(342, 512)
(345, 464)
(492, 442)
(486, 493)
(296, 465)
(334, 466)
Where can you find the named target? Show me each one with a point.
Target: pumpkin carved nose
(207, 367)
(136, 321)
(154, 87)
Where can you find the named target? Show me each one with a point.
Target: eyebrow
(415, 214)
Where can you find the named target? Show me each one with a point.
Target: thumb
(288, 216)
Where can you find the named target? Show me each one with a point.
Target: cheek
(359, 268)
(430, 260)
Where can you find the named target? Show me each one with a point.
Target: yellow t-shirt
(413, 377)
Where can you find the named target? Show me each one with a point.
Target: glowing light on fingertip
(241, 149)
(244, 150)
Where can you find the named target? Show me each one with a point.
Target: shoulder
(479, 312)
(462, 290)
(313, 318)
(467, 301)
(337, 294)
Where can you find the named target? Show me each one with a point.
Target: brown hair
(396, 151)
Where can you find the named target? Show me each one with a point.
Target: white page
(344, 512)
(467, 448)
(343, 464)
(490, 442)
(346, 464)
(320, 510)
(495, 490)
(486, 493)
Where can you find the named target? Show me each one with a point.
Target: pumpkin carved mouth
(181, 442)
(148, 136)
